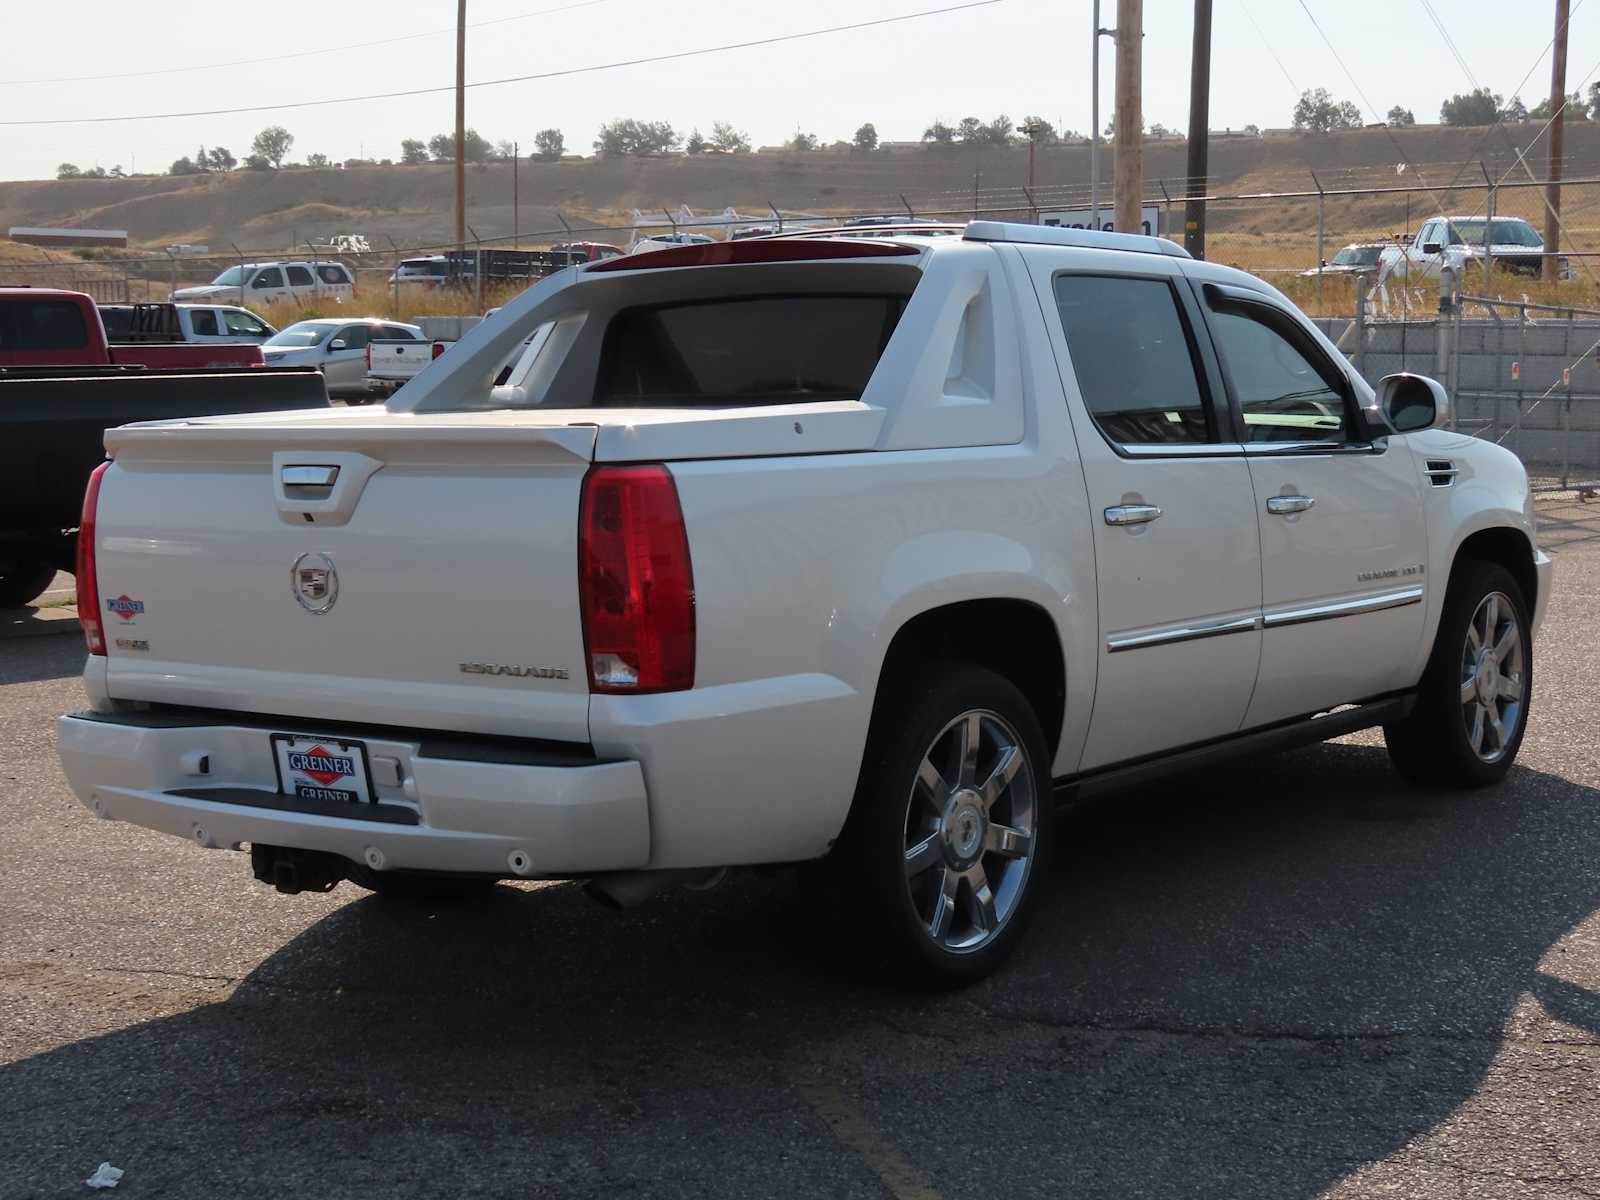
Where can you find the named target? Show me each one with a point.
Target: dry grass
(413, 302)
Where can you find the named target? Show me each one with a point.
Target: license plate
(321, 768)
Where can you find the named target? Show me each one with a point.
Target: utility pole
(461, 125)
(1194, 212)
(516, 206)
(1128, 191)
(1558, 101)
(1094, 117)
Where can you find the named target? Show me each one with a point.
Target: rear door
(1176, 546)
(1343, 543)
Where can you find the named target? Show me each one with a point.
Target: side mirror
(1413, 402)
(1431, 247)
(336, 344)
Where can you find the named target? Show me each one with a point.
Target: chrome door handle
(1132, 514)
(1282, 506)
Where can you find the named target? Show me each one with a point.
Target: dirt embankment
(413, 205)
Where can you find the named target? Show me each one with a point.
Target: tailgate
(397, 359)
(432, 584)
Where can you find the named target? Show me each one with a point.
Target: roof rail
(924, 228)
(1055, 235)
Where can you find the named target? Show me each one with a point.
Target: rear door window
(203, 321)
(299, 276)
(1134, 359)
(355, 336)
(750, 351)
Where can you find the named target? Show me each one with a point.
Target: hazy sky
(1016, 56)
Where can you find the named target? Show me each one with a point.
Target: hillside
(413, 205)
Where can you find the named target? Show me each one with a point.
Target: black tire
(25, 582)
(418, 885)
(1435, 745)
(894, 827)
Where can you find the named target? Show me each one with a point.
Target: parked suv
(265, 283)
(863, 550)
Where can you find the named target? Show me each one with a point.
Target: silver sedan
(338, 347)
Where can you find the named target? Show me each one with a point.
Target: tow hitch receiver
(293, 871)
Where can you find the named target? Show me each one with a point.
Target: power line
(1450, 43)
(1270, 50)
(431, 91)
(247, 62)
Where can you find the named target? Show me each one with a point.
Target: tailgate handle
(304, 482)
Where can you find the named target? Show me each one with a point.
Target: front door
(346, 368)
(1343, 543)
(1177, 554)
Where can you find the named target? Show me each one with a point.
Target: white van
(271, 281)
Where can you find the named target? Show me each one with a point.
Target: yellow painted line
(857, 1134)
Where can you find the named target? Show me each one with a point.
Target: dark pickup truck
(52, 425)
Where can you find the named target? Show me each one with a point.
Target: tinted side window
(355, 337)
(1285, 390)
(1132, 357)
(203, 321)
(396, 333)
(760, 350)
(42, 325)
(269, 278)
(298, 276)
(243, 322)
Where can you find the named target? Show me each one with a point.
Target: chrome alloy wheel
(970, 831)
(1494, 687)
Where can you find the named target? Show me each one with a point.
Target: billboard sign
(1082, 218)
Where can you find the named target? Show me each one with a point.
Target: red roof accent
(754, 250)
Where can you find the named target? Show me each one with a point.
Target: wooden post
(1129, 186)
(461, 124)
(1194, 218)
(1558, 100)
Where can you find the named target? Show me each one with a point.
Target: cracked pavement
(1293, 977)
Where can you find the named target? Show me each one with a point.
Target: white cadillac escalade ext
(868, 550)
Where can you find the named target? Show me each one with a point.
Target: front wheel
(1472, 705)
(947, 833)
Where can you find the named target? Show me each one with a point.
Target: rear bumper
(440, 807)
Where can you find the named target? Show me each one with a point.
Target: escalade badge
(315, 582)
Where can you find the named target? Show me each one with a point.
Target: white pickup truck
(1458, 243)
(797, 548)
(392, 363)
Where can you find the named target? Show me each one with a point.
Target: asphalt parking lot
(1296, 977)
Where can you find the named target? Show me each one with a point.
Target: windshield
(1505, 233)
(1356, 256)
(232, 277)
(421, 268)
(306, 333)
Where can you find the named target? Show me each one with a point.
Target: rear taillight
(635, 582)
(438, 349)
(88, 585)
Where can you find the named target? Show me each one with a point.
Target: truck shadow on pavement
(1252, 982)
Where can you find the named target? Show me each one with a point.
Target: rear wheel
(1472, 705)
(943, 849)
(24, 580)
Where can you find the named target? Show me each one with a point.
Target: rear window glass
(332, 273)
(761, 350)
(42, 325)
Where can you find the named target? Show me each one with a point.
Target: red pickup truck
(43, 327)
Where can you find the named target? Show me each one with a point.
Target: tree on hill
(1576, 109)
(220, 158)
(939, 134)
(696, 143)
(477, 148)
(1515, 110)
(413, 151)
(256, 162)
(272, 144)
(1399, 117)
(1159, 130)
(1317, 112)
(801, 141)
(729, 140)
(866, 137)
(1477, 107)
(316, 160)
(549, 144)
(1040, 131)
(68, 171)
(185, 166)
(628, 135)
